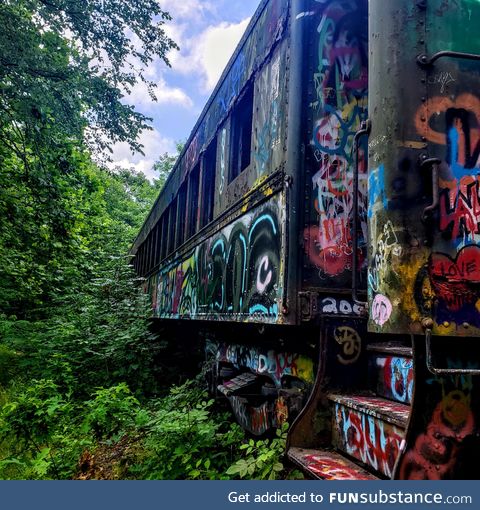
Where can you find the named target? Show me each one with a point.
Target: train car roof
(141, 236)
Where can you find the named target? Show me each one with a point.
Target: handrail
(434, 162)
(365, 129)
(425, 61)
(439, 371)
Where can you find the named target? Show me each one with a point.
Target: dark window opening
(164, 242)
(193, 188)
(182, 214)
(208, 183)
(172, 221)
(241, 137)
(157, 236)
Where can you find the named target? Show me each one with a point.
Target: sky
(207, 32)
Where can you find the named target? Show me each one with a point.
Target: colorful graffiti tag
(440, 446)
(454, 266)
(275, 365)
(367, 438)
(338, 109)
(237, 272)
(394, 377)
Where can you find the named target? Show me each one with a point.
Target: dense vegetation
(81, 392)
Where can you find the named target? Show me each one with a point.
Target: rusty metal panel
(369, 439)
(397, 184)
(270, 115)
(236, 274)
(336, 105)
(268, 27)
(268, 133)
(424, 204)
(392, 377)
(451, 116)
(443, 441)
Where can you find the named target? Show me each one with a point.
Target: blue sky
(207, 32)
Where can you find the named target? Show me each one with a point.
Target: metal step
(391, 377)
(391, 348)
(370, 429)
(327, 465)
(233, 386)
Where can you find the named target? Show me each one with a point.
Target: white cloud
(140, 95)
(186, 8)
(208, 53)
(154, 145)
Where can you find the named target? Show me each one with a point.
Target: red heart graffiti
(456, 281)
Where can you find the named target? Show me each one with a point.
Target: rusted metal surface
(368, 439)
(426, 162)
(392, 377)
(385, 410)
(267, 28)
(328, 465)
(443, 438)
(276, 365)
(337, 105)
(236, 274)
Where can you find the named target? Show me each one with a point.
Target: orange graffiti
(438, 106)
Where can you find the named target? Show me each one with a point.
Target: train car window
(156, 245)
(193, 188)
(146, 245)
(172, 222)
(181, 214)
(208, 183)
(164, 220)
(241, 134)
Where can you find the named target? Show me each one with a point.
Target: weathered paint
(443, 442)
(274, 364)
(426, 269)
(236, 274)
(328, 465)
(367, 438)
(261, 54)
(393, 377)
(255, 419)
(338, 105)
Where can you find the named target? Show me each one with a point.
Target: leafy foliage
(262, 457)
(186, 439)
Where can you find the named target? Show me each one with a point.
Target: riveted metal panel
(336, 104)
(397, 183)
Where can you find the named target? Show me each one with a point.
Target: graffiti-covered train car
(321, 229)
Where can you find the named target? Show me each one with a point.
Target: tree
(65, 67)
(67, 64)
(165, 163)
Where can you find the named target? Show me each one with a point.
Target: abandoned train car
(322, 229)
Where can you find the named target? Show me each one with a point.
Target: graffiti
(443, 79)
(351, 344)
(381, 309)
(376, 189)
(338, 110)
(276, 365)
(233, 83)
(382, 262)
(236, 272)
(341, 306)
(256, 420)
(459, 196)
(332, 467)
(367, 438)
(395, 378)
(455, 283)
(437, 449)
(223, 157)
